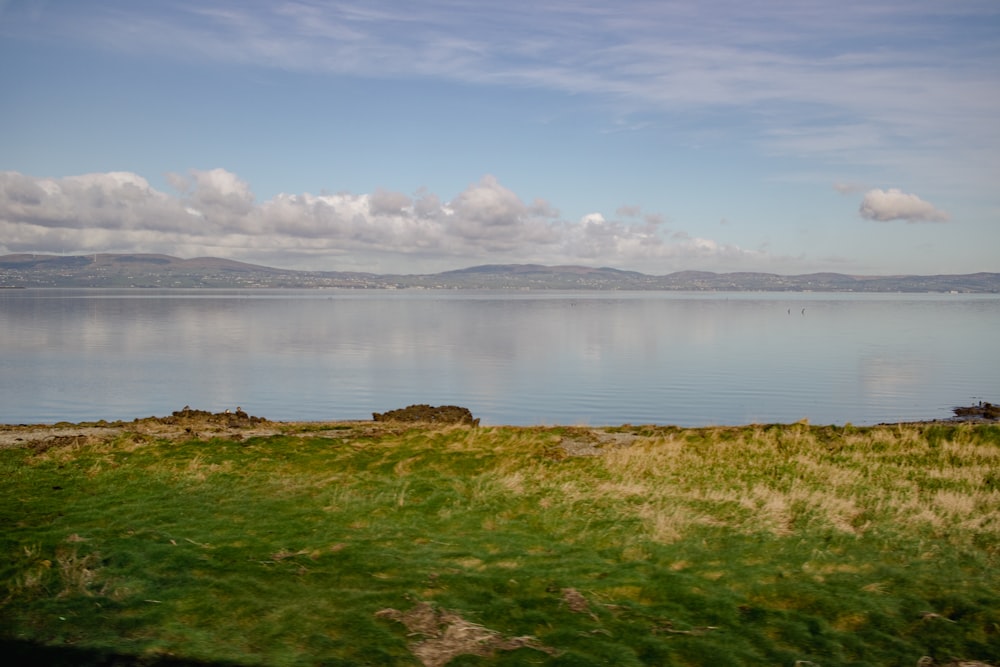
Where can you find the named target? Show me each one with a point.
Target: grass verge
(367, 544)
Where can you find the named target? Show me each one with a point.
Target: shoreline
(199, 424)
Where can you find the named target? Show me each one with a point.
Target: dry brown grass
(761, 478)
(447, 635)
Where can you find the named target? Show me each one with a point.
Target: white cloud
(384, 202)
(487, 208)
(115, 200)
(894, 204)
(214, 213)
(216, 191)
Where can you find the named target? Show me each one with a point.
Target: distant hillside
(147, 270)
(577, 277)
(110, 262)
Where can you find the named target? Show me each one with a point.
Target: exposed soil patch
(44, 437)
(445, 414)
(595, 442)
(576, 602)
(185, 423)
(927, 661)
(447, 635)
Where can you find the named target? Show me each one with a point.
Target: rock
(445, 414)
(984, 410)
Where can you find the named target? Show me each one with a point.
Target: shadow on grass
(20, 653)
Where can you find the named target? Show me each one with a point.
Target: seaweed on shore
(445, 414)
(188, 416)
(982, 410)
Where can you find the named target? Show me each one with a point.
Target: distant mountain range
(150, 271)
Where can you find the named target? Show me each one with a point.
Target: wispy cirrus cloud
(853, 82)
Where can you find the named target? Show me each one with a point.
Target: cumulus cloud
(894, 204)
(489, 205)
(214, 212)
(115, 200)
(384, 202)
(220, 188)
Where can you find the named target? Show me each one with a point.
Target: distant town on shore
(163, 271)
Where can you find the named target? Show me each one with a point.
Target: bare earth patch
(595, 442)
(447, 635)
(186, 423)
(577, 603)
(44, 437)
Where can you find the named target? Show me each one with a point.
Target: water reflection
(522, 358)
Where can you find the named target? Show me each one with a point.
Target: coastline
(188, 424)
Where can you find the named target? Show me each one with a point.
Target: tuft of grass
(636, 545)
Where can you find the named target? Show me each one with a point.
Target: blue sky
(790, 137)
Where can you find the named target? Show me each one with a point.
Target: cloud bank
(894, 204)
(214, 212)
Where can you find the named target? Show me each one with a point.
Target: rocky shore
(188, 423)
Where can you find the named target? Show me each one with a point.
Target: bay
(519, 358)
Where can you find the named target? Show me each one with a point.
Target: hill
(150, 270)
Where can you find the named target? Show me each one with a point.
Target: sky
(859, 137)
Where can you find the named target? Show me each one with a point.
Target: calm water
(522, 358)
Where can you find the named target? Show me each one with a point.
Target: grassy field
(393, 544)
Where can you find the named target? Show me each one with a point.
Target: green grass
(759, 545)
